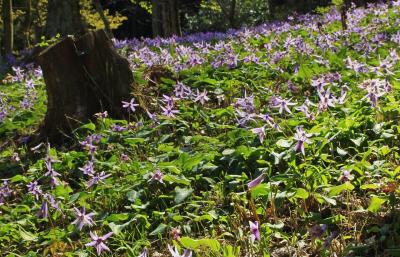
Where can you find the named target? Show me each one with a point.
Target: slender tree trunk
(165, 18)
(271, 9)
(64, 18)
(345, 8)
(103, 17)
(157, 18)
(28, 23)
(8, 34)
(174, 16)
(232, 13)
(229, 13)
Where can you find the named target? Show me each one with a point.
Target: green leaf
(376, 203)
(19, 178)
(369, 186)
(177, 180)
(90, 126)
(132, 195)
(207, 217)
(116, 229)
(181, 194)
(301, 193)
(341, 152)
(63, 191)
(228, 151)
(283, 143)
(339, 189)
(260, 190)
(278, 225)
(118, 217)
(27, 236)
(357, 141)
(159, 230)
(193, 244)
(134, 141)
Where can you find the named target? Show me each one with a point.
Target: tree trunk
(83, 76)
(8, 36)
(166, 18)
(157, 18)
(345, 7)
(28, 23)
(100, 10)
(232, 13)
(64, 18)
(174, 17)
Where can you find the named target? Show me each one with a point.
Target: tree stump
(83, 76)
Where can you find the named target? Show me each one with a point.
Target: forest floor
(277, 140)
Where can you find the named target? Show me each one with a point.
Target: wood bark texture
(64, 18)
(83, 76)
(8, 31)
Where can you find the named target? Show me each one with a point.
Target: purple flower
(176, 233)
(53, 203)
(152, 116)
(15, 157)
(301, 137)
(3, 114)
(375, 88)
(44, 210)
(144, 253)
(305, 109)
(317, 231)
(175, 252)
(169, 111)
(245, 104)
(5, 191)
(29, 84)
(270, 121)
(255, 231)
(182, 91)
(245, 117)
(99, 242)
(325, 100)
(124, 157)
(282, 104)
(260, 132)
(82, 218)
(201, 97)
(88, 168)
(328, 241)
(88, 144)
(34, 189)
(19, 74)
(168, 100)
(157, 175)
(130, 106)
(51, 173)
(255, 182)
(117, 128)
(97, 179)
(346, 176)
(101, 115)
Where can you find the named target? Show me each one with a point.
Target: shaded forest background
(29, 23)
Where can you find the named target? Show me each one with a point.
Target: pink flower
(82, 218)
(260, 132)
(175, 252)
(157, 175)
(255, 182)
(255, 231)
(130, 105)
(98, 242)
